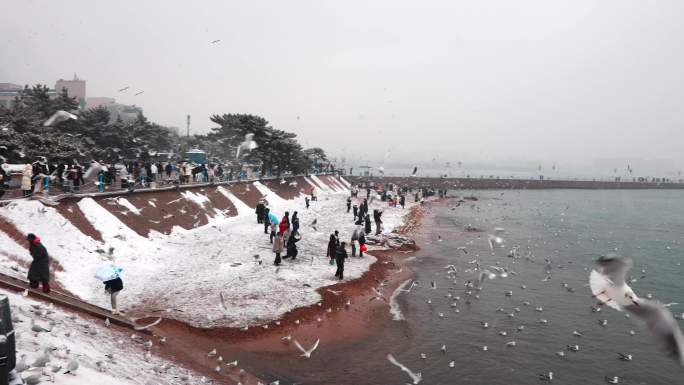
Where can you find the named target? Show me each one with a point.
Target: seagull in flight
(415, 377)
(608, 286)
(124, 89)
(215, 41)
(307, 353)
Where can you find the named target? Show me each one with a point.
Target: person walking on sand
(260, 209)
(340, 256)
(39, 271)
(292, 246)
(113, 287)
(267, 220)
(278, 248)
(348, 204)
(332, 246)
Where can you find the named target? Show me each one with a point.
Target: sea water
(569, 228)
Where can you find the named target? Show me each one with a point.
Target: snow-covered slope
(183, 273)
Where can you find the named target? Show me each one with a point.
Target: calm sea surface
(571, 228)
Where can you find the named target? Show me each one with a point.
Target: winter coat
(332, 246)
(362, 238)
(113, 285)
(355, 235)
(278, 244)
(292, 246)
(340, 256)
(26, 177)
(260, 209)
(295, 225)
(368, 224)
(40, 266)
(284, 225)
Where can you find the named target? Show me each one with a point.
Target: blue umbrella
(273, 219)
(107, 273)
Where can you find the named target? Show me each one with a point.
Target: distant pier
(514, 184)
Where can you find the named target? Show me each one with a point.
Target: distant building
(75, 87)
(116, 110)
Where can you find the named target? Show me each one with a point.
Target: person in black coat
(39, 271)
(332, 246)
(292, 246)
(260, 209)
(367, 223)
(295, 223)
(113, 287)
(340, 256)
(306, 200)
(348, 204)
(362, 242)
(402, 201)
(356, 211)
(377, 218)
(267, 221)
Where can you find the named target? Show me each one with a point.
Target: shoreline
(331, 319)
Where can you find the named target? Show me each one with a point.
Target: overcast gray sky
(562, 82)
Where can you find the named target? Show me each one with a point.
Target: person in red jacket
(285, 223)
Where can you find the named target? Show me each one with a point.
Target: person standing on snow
(295, 223)
(348, 204)
(113, 287)
(306, 200)
(260, 209)
(278, 248)
(354, 239)
(266, 220)
(362, 242)
(274, 229)
(356, 211)
(367, 224)
(377, 218)
(285, 222)
(292, 246)
(26, 177)
(332, 246)
(340, 256)
(39, 271)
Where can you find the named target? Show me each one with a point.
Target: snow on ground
(240, 206)
(200, 199)
(9, 247)
(324, 186)
(127, 204)
(183, 273)
(106, 356)
(272, 198)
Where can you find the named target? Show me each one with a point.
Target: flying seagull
(415, 377)
(59, 117)
(247, 145)
(307, 353)
(138, 93)
(215, 41)
(124, 89)
(608, 286)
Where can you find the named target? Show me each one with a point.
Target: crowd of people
(41, 176)
(284, 233)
